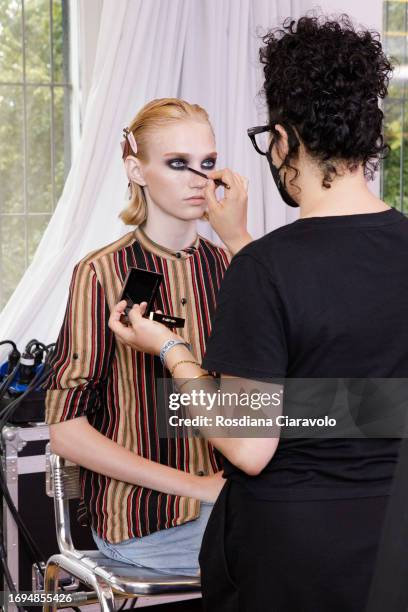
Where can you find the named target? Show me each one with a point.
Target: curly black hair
(324, 78)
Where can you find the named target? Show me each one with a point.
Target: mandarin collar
(149, 245)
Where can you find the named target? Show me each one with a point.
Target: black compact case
(142, 286)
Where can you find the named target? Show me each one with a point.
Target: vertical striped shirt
(114, 386)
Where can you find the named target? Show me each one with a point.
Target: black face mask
(283, 192)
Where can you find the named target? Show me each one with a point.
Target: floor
(187, 603)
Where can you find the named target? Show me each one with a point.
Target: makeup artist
(296, 527)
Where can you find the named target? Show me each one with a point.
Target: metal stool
(107, 578)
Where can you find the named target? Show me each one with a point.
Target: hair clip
(129, 146)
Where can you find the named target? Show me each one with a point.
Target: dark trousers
(311, 556)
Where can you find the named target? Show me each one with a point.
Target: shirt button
(178, 255)
(183, 301)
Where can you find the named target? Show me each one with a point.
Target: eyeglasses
(262, 139)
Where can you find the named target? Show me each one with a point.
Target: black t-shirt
(322, 297)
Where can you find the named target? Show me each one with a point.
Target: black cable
(33, 343)
(37, 380)
(132, 603)
(13, 344)
(13, 359)
(32, 548)
(30, 344)
(131, 607)
(7, 381)
(6, 570)
(37, 350)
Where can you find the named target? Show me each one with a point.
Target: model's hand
(142, 335)
(210, 487)
(228, 216)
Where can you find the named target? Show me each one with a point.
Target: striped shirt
(95, 375)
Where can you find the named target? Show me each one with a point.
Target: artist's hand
(228, 216)
(210, 487)
(142, 335)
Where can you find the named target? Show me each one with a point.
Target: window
(35, 148)
(395, 166)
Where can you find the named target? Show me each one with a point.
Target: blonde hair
(153, 116)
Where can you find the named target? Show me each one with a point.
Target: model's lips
(196, 199)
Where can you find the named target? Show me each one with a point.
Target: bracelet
(194, 377)
(182, 361)
(169, 345)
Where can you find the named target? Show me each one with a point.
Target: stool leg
(105, 595)
(51, 583)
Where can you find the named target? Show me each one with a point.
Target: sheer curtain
(203, 51)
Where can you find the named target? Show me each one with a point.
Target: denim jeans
(172, 551)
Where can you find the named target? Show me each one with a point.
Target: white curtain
(204, 51)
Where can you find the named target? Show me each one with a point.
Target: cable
(7, 381)
(37, 350)
(6, 570)
(13, 344)
(34, 343)
(31, 545)
(37, 380)
(13, 360)
(131, 607)
(32, 548)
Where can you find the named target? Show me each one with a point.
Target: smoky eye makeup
(177, 163)
(181, 163)
(209, 163)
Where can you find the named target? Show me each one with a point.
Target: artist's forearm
(248, 454)
(79, 442)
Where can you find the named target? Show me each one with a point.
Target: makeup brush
(218, 182)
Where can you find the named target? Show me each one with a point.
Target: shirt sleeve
(248, 335)
(83, 351)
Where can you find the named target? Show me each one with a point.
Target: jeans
(172, 551)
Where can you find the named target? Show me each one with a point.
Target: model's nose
(197, 181)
